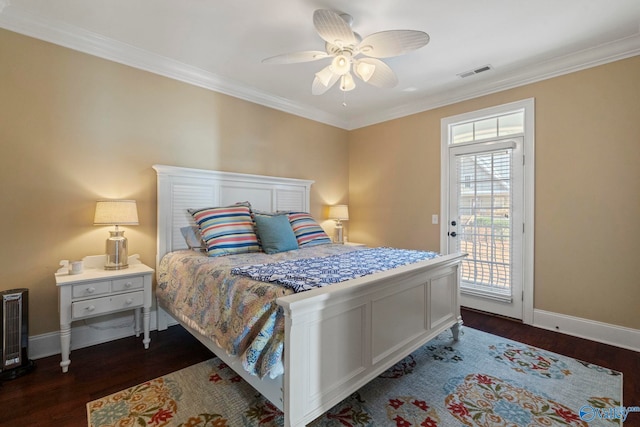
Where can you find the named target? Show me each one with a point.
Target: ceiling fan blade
(382, 75)
(324, 80)
(386, 44)
(333, 29)
(295, 57)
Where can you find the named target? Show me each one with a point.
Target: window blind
(484, 204)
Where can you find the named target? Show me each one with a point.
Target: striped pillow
(307, 230)
(226, 230)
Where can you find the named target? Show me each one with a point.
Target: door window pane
(484, 208)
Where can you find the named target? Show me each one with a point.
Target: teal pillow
(275, 233)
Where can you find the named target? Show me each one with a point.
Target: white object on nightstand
(96, 292)
(354, 244)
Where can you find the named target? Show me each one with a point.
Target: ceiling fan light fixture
(364, 70)
(344, 47)
(341, 64)
(347, 83)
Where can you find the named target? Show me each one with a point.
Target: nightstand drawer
(128, 283)
(97, 306)
(91, 289)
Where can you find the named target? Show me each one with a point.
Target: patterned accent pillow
(307, 230)
(226, 230)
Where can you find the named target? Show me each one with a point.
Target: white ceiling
(220, 44)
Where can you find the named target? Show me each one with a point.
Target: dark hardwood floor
(46, 397)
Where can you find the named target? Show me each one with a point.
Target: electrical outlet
(434, 219)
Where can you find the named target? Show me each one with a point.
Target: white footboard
(338, 339)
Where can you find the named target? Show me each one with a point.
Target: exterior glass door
(486, 223)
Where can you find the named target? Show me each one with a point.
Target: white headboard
(180, 189)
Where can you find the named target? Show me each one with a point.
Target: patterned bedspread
(238, 313)
(306, 274)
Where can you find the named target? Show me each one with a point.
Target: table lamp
(339, 213)
(116, 212)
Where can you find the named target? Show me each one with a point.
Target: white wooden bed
(339, 337)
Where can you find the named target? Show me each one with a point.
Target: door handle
(453, 234)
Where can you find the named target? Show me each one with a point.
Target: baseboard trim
(87, 333)
(605, 333)
(121, 326)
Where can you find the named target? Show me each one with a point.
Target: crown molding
(588, 58)
(72, 37)
(75, 38)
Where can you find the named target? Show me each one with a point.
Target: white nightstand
(96, 292)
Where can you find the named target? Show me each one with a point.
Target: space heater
(14, 335)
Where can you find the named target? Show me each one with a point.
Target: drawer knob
(91, 290)
(91, 308)
(129, 301)
(128, 285)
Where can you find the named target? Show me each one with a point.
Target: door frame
(528, 107)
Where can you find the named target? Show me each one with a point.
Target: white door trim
(528, 105)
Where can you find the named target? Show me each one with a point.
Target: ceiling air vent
(474, 72)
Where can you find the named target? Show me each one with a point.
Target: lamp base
(339, 234)
(117, 258)
(116, 267)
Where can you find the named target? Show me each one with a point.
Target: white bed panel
(442, 291)
(336, 367)
(289, 200)
(260, 198)
(394, 331)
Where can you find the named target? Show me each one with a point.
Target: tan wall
(75, 128)
(587, 241)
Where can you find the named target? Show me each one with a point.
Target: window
(492, 127)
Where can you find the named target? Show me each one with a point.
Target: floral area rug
(481, 380)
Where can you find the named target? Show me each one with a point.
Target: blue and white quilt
(305, 274)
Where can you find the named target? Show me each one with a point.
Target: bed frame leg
(455, 329)
(162, 318)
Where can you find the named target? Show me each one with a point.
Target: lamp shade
(339, 212)
(116, 212)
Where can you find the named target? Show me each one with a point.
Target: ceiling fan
(352, 53)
